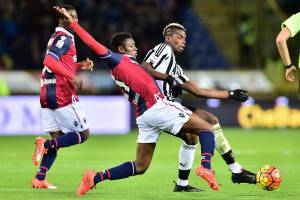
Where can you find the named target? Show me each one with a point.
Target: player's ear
(167, 38)
(121, 49)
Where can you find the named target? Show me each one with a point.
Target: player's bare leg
(142, 162)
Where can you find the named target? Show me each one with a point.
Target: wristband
(288, 66)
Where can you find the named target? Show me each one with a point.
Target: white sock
(235, 168)
(186, 159)
(222, 144)
(182, 182)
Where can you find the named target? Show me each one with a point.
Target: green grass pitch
(253, 149)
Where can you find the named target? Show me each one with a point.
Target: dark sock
(207, 141)
(47, 161)
(66, 140)
(228, 157)
(184, 174)
(119, 172)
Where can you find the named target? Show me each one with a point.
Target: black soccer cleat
(188, 188)
(244, 177)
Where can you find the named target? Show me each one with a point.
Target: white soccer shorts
(163, 116)
(67, 119)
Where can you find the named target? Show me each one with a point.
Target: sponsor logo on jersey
(60, 43)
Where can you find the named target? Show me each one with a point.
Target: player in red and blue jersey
(62, 115)
(124, 43)
(153, 114)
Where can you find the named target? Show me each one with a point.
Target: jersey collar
(64, 30)
(130, 57)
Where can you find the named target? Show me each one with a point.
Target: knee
(213, 120)
(207, 116)
(188, 138)
(84, 135)
(191, 139)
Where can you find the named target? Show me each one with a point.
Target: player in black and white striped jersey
(161, 63)
(162, 59)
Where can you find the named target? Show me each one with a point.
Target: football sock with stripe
(223, 147)
(66, 140)
(119, 172)
(47, 161)
(207, 142)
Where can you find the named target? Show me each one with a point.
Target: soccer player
(290, 28)
(153, 114)
(161, 63)
(62, 114)
(124, 43)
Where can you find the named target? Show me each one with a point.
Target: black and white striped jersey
(163, 60)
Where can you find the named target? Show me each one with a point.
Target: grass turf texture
(253, 149)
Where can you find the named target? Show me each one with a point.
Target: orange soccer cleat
(36, 183)
(87, 182)
(208, 175)
(39, 150)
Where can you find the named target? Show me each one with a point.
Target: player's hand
(77, 83)
(86, 64)
(64, 13)
(290, 73)
(176, 90)
(238, 95)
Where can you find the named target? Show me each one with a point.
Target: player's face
(177, 41)
(129, 47)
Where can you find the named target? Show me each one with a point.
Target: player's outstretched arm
(98, 48)
(193, 88)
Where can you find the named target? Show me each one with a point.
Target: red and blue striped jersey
(57, 91)
(136, 84)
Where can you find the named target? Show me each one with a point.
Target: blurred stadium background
(230, 44)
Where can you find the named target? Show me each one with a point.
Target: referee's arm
(281, 42)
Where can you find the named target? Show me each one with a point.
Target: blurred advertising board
(100, 81)
(278, 113)
(20, 115)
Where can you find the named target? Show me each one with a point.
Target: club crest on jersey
(181, 115)
(75, 123)
(60, 43)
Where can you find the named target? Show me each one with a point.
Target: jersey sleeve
(182, 78)
(111, 58)
(156, 55)
(293, 24)
(59, 47)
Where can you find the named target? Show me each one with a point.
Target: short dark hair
(169, 29)
(118, 39)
